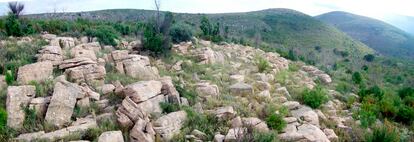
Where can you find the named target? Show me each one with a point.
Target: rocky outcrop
(241, 89)
(136, 66)
(40, 105)
(142, 131)
(63, 102)
(143, 90)
(170, 124)
(255, 123)
(39, 72)
(84, 70)
(53, 54)
(63, 42)
(80, 127)
(315, 72)
(306, 114)
(168, 89)
(18, 97)
(111, 136)
(205, 90)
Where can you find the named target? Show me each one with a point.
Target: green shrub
(189, 94)
(262, 64)
(153, 41)
(106, 34)
(314, 98)
(9, 77)
(367, 114)
(13, 26)
(264, 137)
(384, 134)
(169, 107)
(43, 89)
(369, 57)
(357, 78)
(210, 31)
(276, 122)
(206, 123)
(31, 122)
(180, 33)
(405, 114)
(405, 92)
(124, 29)
(3, 118)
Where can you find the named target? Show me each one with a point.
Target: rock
(321, 115)
(152, 106)
(3, 83)
(63, 102)
(106, 117)
(90, 74)
(236, 122)
(83, 103)
(18, 97)
(80, 127)
(290, 119)
(312, 133)
(182, 48)
(107, 89)
(291, 105)
(205, 89)
(199, 135)
(170, 124)
(119, 55)
(306, 114)
(168, 89)
(313, 71)
(255, 123)
(236, 78)
(283, 91)
(137, 66)
(265, 94)
(40, 105)
(177, 66)
(241, 89)
(143, 90)
(129, 112)
(48, 36)
(82, 53)
(330, 134)
(206, 56)
(75, 62)
(219, 138)
(261, 86)
(184, 101)
(53, 54)
(225, 113)
(111, 136)
(291, 137)
(63, 42)
(235, 135)
(142, 131)
(93, 46)
(290, 128)
(39, 72)
(281, 99)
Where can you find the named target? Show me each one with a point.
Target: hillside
(383, 37)
(403, 22)
(282, 28)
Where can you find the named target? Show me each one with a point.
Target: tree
(157, 4)
(369, 57)
(357, 78)
(16, 8)
(205, 26)
(180, 33)
(13, 25)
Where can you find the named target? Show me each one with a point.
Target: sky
(372, 8)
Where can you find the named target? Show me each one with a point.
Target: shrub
(384, 134)
(169, 107)
(369, 57)
(186, 93)
(203, 122)
(180, 33)
(357, 78)
(405, 114)
(314, 98)
(367, 114)
(210, 31)
(408, 91)
(262, 64)
(122, 28)
(9, 77)
(13, 26)
(3, 118)
(153, 41)
(276, 122)
(106, 35)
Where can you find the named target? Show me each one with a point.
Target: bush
(262, 64)
(367, 114)
(13, 26)
(405, 92)
(9, 77)
(369, 57)
(405, 114)
(314, 98)
(153, 41)
(384, 134)
(180, 33)
(106, 35)
(276, 122)
(357, 78)
(3, 118)
(169, 107)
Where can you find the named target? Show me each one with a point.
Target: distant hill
(383, 37)
(405, 23)
(282, 28)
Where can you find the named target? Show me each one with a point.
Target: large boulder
(136, 66)
(205, 89)
(111, 136)
(255, 123)
(39, 72)
(3, 82)
(53, 54)
(225, 113)
(90, 74)
(63, 102)
(63, 42)
(18, 97)
(142, 131)
(143, 90)
(168, 89)
(235, 134)
(169, 125)
(75, 62)
(139, 71)
(241, 89)
(129, 112)
(312, 133)
(306, 114)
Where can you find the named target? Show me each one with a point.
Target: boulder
(40, 105)
(63, 102)
(235, 135)
(168, 89)
(225, 113)
(139, 71)
(236, 78)
(219, 138)
(205, 89)
(206, 56)
(111, 136)
(255, 123)
(199, 135)
(82, 53)
(169, 125)
(261, 85)
(129, 112)
(53, 54)
(291, 137)
(3, 83)
(312, 133)
(39, 72)
(75, 62)
(18, 97)
(306, 114)
(107, 89)
(63, 42)
(90, 74)
(142, 131)
(143, 90)
(291, 105)
(241, 89)
(182, 48)
(330, 134)
(283, 91)
(236, 122)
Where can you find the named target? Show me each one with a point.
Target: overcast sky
(372, 8)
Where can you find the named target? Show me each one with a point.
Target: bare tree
(157, 4)
(16, 8)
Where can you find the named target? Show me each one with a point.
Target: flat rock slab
(39, 72)
(18, 97)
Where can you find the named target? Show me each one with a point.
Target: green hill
(284, 29)
(384, 38)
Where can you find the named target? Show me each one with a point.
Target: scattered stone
(107, 89)
(18, 97)
(205, 89)
(330, 134)
(241, 89)
(170, 124)
(255, 123)
(235, 134)
(225, 113)
(143, 90)
(111, 136)
(291, 105)
(236, 78)
(142, 131)
(39, 72)
(199, 135)
(219, 138)
(168, 89)
(312, 133)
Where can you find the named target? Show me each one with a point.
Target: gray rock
(241, 89)
(170, 124)
(111, 136)
(39, 72)
(18, 97)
